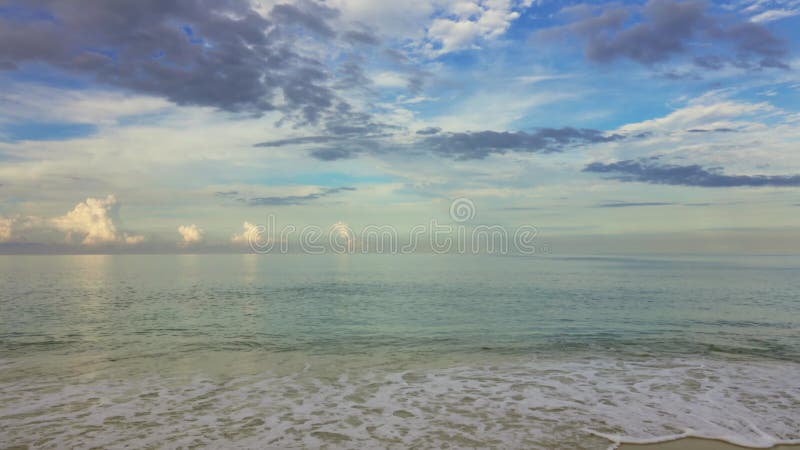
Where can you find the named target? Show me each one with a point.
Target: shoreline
(695, 443)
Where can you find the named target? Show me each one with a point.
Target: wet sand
(697, 444)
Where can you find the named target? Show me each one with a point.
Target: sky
(151, 126)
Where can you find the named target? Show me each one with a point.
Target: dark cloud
(349, 143)
(631, 204)
(416, 77)
(350, 75)
(429, 131)
(356, 125)
(676, 76)
(480, 144)
(308, 15)
(332, 154)
(299, 141)
(662, 29)
(221, 54)
(294, 199)
(655, 172)
(361, 37)
(715, 130)
(712, 62)
(342, 146)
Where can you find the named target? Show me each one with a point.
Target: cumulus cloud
(11, 227)
(133, 239)
(248, 234)
(663, 29)
(468, 22)
(652, 170)
(190, 234)
(93, 221)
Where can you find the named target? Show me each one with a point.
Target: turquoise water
(348, 351)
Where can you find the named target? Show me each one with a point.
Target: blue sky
(660, 125)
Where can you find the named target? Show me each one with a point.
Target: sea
(397, 351)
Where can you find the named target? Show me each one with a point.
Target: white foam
(582, 403)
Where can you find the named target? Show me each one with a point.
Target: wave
(587, 402)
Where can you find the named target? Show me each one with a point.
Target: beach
(696, 444)
(244, 351)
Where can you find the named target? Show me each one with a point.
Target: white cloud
(93, 221)
(249, 232)
(467, 22)
(533, 79)
(390, 80)
(133, 239)
(769, 10)
(774, 14)
(191, 234)
(21, 101)
(705, 112)
(10, 227)
(437, 26)
(395, 19)
(498, 109)
(747, 138)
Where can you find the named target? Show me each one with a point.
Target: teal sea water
(397, 351)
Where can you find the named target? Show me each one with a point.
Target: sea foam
(577, 403)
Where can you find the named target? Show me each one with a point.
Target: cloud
(295, 199)
(250, 232)
(300, 141)
(224, 55)
(655, 172)
(762, 11)
(429, 131)
(29, 101)
(94, 222)
(459, 145)
(332, 154)
(336, 147)
(365, 37)
(468, 22)
(663, 29)
(10, 227)
(190, 234)
(133, 239)
(704, 113)
(276, 200)
(774, 14)
(631, 204)
(313, 17)
(715, 130)
(390, 79)
(480, 144)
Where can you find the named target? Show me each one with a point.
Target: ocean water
(397, 351)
